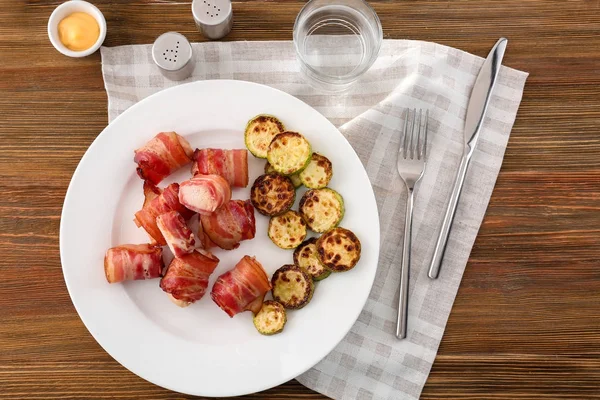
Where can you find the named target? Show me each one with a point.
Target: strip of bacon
(230, 164)
(179, 237)
(133, 262)
(204, 193)
(167, 201)
(186, 279)
(151, 191)
(203, 238)
(230, 224)
(161, 156)
(242, 288)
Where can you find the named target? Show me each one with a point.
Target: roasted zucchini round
(272, 194)
(292, 286)
(306, 257)
(287, 230)
(322, 209)
(271, 318)
(259, 133)
(289, 152)
(294, 177)
(338, 249)
(317, 173)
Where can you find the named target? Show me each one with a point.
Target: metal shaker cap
(214, 18)
(173, 55)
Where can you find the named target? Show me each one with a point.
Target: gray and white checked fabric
(370, 363)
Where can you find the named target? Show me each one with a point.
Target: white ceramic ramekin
(65, 10)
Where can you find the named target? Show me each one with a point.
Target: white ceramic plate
(199, 350)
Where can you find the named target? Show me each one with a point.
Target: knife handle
(440, 247)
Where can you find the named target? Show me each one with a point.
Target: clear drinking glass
(336, 42)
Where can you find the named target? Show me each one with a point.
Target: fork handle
(440, 247)
(402, 320)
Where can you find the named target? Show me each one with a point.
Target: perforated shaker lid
(213, 17)
(172, 52)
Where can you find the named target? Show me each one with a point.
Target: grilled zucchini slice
(306, 257)
(317, 173)
(272, 194)
(287, 230)
(259, 133)
(338, 249)
(289, 152)
(292, 286)
(271, 318)
(294, 177)
(322, 209)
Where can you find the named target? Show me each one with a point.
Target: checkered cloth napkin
(370, 363)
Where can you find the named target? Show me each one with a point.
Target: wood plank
(472, 377)
(525, 321)
(510, 376)
(106, 380)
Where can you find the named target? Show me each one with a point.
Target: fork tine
(424, 148)
(418, 146)
(405, 133)
(415, 136)
(412, 134)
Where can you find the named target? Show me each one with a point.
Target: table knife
(476, 110)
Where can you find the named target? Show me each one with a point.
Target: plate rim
(69, 195)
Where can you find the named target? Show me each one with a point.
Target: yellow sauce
(78, 31)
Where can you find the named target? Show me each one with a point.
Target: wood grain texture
(526, 321)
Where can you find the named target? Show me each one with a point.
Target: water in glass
(336, 41)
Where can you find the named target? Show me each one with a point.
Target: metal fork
(411, 164)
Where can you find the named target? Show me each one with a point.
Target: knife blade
(476, 110)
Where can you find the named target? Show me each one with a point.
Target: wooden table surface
(526, 321)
